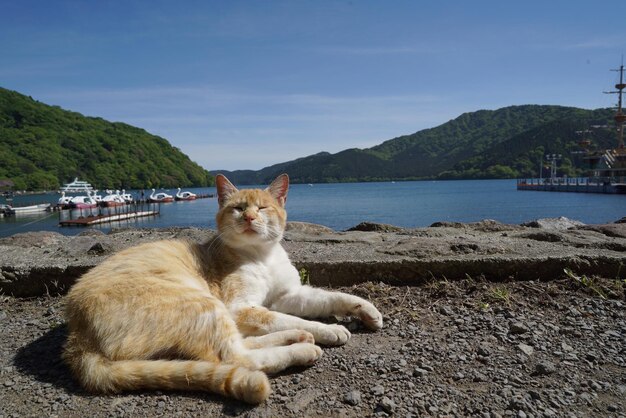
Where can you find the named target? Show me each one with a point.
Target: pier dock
(576, 185)
(99, 219)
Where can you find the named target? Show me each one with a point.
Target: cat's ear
(278, 189)
(224, 189)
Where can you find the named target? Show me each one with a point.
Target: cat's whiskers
(217, 238)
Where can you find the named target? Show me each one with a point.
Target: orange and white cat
(215, 316)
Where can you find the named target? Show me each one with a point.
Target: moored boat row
(91, 198)
(80, 195)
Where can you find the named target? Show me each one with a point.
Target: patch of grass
(482, 306)
(586, 282)
(618, 289)
(305, 277)
(500, 294)
(440, 288)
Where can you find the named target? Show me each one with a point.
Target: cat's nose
(249, 217)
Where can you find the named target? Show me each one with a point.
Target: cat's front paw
(332, 335)
(369, 315)
(304, 354)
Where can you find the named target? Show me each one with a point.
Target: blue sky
(246, 84)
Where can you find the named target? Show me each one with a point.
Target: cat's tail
(99, 374)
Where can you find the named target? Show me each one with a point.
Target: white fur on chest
(266, 278)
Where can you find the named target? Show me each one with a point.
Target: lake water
(341, 206)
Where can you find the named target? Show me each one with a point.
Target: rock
(377, 390)
(549, 413)
(445, 224)
(387, 405)
(559, 224)
(484, 350)
(372, 226)
(518, 328)
(91, 233)
(352, 398)
(526, 349)
(419, 372)
(594, 385)
(544, 236)
(544, 368)
(616, 230)
(97, 248)
(307, 228)
(491, 225)
(480, 377)
(38, 239)
(446, 310)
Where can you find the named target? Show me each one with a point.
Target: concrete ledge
(40, 263)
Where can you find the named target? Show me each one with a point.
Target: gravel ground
(471, 348)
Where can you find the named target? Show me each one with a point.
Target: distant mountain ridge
(43, 146)
(503, 143)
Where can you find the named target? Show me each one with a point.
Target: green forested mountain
(43, 146)
(503, 143)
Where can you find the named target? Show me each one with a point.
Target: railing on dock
(570, 184)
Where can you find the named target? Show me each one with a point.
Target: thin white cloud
(382, 50)
(208, 95)
(615, 42)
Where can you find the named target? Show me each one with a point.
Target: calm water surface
(341, 206)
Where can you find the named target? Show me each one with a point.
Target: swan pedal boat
(185, 195)
(160, 197)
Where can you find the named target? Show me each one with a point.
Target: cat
(217, 316)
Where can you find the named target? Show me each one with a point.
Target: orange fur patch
(254, 320)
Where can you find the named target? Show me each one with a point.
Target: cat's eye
(239, 208)
(262, 207)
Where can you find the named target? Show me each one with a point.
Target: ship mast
(620, 117)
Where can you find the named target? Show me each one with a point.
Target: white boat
(128, 198)
(83, 202)
(4, 209)
(96, 196)
(44, 207)
(112, 199)
(160, 197)
(64, 200)
(77, 186)
(185, 195)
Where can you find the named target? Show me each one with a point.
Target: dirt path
(448, 349)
